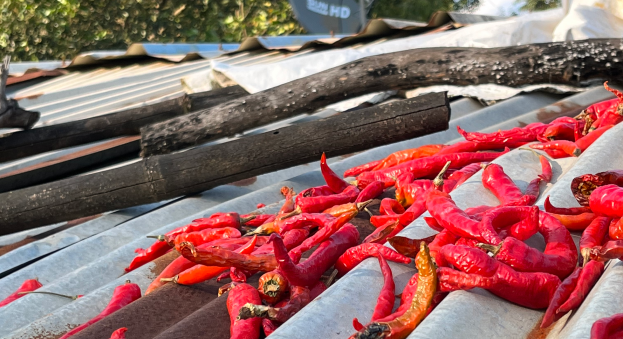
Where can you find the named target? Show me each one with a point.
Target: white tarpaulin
(538, 27)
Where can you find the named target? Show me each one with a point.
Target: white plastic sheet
(591, 19)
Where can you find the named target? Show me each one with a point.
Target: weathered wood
(128, 122)
(570, 62)
(167, 176)
(69, 164)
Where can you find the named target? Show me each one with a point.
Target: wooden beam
(167, 176)
(128, 122)
(69, 164)
(575, 63)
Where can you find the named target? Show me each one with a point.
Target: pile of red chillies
(480, 247)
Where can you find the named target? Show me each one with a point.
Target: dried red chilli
(583, 185)
(119, 334)
(238, 296)
(615, 230)
(334, 182)
(403, 156)
(569, 147)
(204, 236)
(560, 131)
(371, 191)
(406, 194)
(465, 173)
(381, 234)
(385, 301)
(584, 142)
(442, 239)
(122, 296)
(607, 200)
(322, 235)
(559, 257)
(391, 207)
(382, 220)
(528, 289)
(27, 286)
(355, 171)
(523, 220)
(560, 296)
(321, 203)
(588, 278)
(500, 184)
(612, 249)
(575, 222)
(259, 219)
(441, 206)
(472, 146)
(289, 204)
(408, 247)
(556, 153)
(425, 167)
(310, 271)
(568, 211)
(607, 327)
(514, 135)
(593, 236)
(614, 115)
(355, 255)
(432, 223)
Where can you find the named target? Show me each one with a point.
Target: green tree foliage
(539, 5)
(418, 10)
(57, 29)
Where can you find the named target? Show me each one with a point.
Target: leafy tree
(57, 29)
(539, 5)
(418, 10)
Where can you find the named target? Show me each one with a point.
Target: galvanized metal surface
(355, 293)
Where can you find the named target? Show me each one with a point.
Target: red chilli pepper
(320, 203)
(584, 142)
(532, 290)
(309, 272)
(409, 247)
(593, 236)
(371, 191)
(355, 171)
(383, 220)
(425, 167)
(441, 206)
(584, 185)
(465, 173)
(406, 194)
(569, 147)
(355, 255)
(236, 299)
(560, 296)
(607, 200)
(615, 230)
(122, 296)
(442, 239)
(334, 182)
(515, 135)
(258, 219)
(559, 258)
(322, 235)
(27, 286)
(391, 207)
(204, 237)
(556, 153)
(500, 184)
(523, 220)
(403, 156)
(612, 249)
(567, 211)
(177, 266)
(561, 131)
(473, 146)
(614, 115)
(606, 328)
(588, 278)
(385, 301)
(119, 334)
(575, 222)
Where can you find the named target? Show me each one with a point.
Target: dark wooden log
(128, 122)
(167, 176)
(70, 164)
(575, 63)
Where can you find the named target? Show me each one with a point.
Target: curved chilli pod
(402, 326)
(355, 255)
(333, 180)
(584, 185)
(309, 272)
(559, 258)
